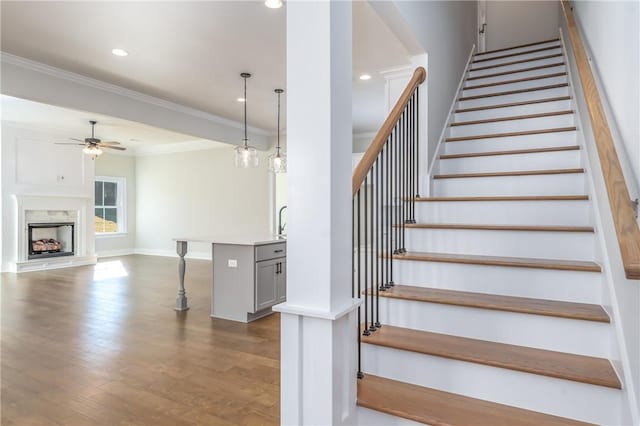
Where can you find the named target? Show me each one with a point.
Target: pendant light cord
(278, 149)
(245, 112)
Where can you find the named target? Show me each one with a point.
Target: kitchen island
(249, 275)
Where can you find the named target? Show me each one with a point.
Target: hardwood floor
(93, 346)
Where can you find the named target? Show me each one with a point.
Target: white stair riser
(518, 50)
(537, 331)
(561, 184)
(513, 111)
(569, 286)
(518, 97)
(367, 417)
(542, 140)
(514, 86)
(574, 213)
(536, 244)
(512, 162)
(517, 75)
(514, 67)
(564, 398)
(521, 57)
(540, 123)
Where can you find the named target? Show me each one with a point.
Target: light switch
(232, 263)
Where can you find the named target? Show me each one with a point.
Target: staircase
(495, 317)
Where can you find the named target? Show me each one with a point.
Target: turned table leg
(181, 301)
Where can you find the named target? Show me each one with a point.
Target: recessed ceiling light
(365, 77)
(241, 99)
(273, 4)
(119, 52)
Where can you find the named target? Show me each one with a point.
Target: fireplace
(50, 240)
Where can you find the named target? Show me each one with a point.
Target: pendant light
(278, 160)
(245, 156)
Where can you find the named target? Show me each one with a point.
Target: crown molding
(171, 148)
(29, 64)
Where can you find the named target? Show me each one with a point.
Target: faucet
(280, 225)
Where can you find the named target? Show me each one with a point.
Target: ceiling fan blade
(119, 148)
(69, 143)
(76, 139)
(108, 143)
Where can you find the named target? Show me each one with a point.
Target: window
(110, 209)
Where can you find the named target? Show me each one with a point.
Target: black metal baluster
(388, 215)
(412, 164)
(366, 257)
(360, 375)
(403, 176)
(418, 142)
(372, 327)
(378, 257)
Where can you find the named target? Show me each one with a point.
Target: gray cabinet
(248, 280)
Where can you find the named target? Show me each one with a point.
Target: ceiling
(192, 53)
(63, 123)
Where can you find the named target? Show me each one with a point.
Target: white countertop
(242, 240)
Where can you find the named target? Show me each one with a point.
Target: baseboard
(440, 145)
(172, 253)
(114, 253)
(55, 263)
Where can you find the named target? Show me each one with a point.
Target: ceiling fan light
(92, 150)
(273, 4)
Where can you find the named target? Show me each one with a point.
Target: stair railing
(622, 207)
(385, 186)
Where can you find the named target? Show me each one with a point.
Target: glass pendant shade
(278, 162)
(245, 156)
(92, 150)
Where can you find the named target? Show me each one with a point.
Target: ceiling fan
(93, 146)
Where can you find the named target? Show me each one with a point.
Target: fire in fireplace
(50, 239)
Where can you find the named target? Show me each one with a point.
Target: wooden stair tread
(438, 408)
(507, 198)
(539, 67)
(509, 55)
(533, 228)
(504, 49)
(579, 368)
(518, 262)
(513, 92)
(509, 134)
(510, 152)
(558, 55)
(524, 305)
(511, 118)
(514, 104)
(514, 173)
(519, 80)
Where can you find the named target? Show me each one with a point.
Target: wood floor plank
(579, 368)
(517, 262)
(511, 134)
(510, 152)
(513, 104)
(507, 198)
(438, 408)
(525, 305)
(83, 349)
(513, 173)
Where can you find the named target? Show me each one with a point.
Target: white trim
(365, 135)
(286, 308)
(54, 263)
(440, 145)
(108, 235)
(172, 148)
(112, 88)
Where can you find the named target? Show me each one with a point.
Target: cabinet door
(281, 281)
(266, 293)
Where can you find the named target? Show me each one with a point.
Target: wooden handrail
(369, 157)
(622, 210)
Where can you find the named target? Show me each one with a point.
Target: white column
(318, 366)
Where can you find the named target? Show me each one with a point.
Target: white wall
(446, 31)
(511, 23)
(612, 38)
(198, 193)
(119, 166)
